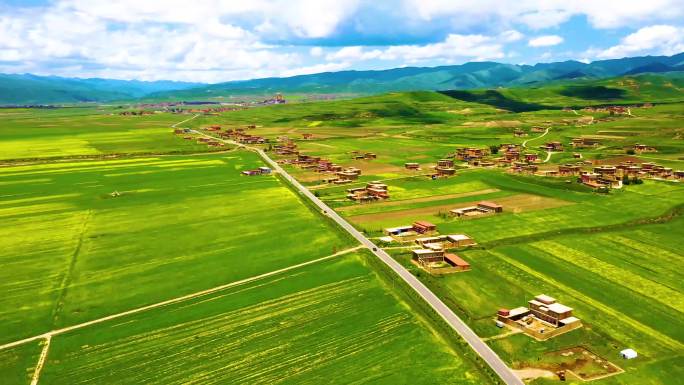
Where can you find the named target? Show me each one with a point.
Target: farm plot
(589, 211)
(438, 213)
(17, 364)
(331, 317)
(74, 251)
(621, 284)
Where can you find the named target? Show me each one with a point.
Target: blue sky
(220, 40)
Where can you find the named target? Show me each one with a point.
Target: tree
(494, 149)
(625, 180)
(630, 151)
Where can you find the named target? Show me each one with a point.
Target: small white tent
(628, 354)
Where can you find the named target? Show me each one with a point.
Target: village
(447, 254)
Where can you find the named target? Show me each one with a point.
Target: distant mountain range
(24, 89)
(32, 89)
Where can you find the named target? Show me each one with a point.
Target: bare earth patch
(533, 373)
(424, 199)
(515, 204)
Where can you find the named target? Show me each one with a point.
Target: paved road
(481, 348)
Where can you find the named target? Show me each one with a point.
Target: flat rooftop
(545, 299)
(559, 308)
(458, 237)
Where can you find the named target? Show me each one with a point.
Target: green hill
(466, 76)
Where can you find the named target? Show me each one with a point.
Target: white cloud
(316, 51)
(658, 39)
(545, 41)
(511, 36)
(454, 47)
(317, 68)
(539, 14)
(354, 53)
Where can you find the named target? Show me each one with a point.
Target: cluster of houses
(257, 171)
(472, 155)
(339, 174)
(611, 176)
(371, 192)
(542, 319)
(481, 208)
(136, 113)
(276, 99)
(431, 252)
(285, 146)
(187, 135)
(239, 135)
(208, 141)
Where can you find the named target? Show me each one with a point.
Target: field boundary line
(172, 301)
(64, 285)
(41, 361)
(183, 121)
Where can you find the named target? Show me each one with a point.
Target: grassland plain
(72, 252)
(86, 132)
(334, 317)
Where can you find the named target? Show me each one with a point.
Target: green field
(299, 327)
(86, 132)
(180, 225)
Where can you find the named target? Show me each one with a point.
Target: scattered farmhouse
(444, 242)
(482, 208)
(569, 169)
(641, 148)
(407, 233)
(439, 262)
(258, 171)
(373, 191)
(552, 146)
(542, 319)
(412, 166)
(365, 155)
(585, 142)
(445, 167)
(518, 133)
